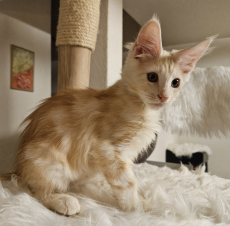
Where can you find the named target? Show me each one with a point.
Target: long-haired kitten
(79, 133)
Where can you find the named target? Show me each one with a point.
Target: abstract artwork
(22, 69)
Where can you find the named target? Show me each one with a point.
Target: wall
(219, 161)
(183, 21)
(35, 13)
(220, 56)
(15, 104)
(130, 29)
(106, 61)
(163, 139)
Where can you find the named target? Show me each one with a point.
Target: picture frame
(22, 69)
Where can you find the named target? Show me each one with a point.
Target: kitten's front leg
(123, 183)
(122, 180)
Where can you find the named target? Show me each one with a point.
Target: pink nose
(162, 97)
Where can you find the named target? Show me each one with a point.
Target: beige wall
(35, 13)
(220, 56)
(130, 29)
(15, 104)
(106, 62)
(164, 138)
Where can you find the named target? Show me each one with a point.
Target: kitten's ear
(187, 58)
(148, 42)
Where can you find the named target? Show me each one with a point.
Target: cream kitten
(79, 133)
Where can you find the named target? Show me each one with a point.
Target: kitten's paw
(64, 204)
(128, 205)
(132, 206)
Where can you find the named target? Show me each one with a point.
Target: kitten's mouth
(156, 105)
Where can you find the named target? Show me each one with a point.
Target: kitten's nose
(162, 97)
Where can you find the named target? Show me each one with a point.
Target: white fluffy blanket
(203, 105)
(179, 197)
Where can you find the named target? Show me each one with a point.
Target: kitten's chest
(144, 136)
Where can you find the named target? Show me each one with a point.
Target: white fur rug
(203, 105)
(179, 197)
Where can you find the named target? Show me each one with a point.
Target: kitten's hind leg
(62, 203)
(47, 182)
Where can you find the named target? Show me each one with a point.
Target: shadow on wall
(8, 148)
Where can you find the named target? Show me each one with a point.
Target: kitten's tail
(16, 181)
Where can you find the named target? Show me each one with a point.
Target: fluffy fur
(182, 198)
(203, 105)
(77, 134)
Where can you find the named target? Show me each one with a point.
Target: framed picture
(22, 69)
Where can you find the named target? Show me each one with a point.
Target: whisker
(149, 95)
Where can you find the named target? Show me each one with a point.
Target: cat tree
(76, 39)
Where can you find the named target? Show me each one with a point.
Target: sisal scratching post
(76, 38)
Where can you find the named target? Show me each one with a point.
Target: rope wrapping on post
(78, 23)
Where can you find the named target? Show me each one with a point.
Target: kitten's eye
(152, 77)
(175, 83)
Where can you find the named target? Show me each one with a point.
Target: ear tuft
(210, 49)
(148, 42)
(187, 58)
(155, 18)
(211, 38)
